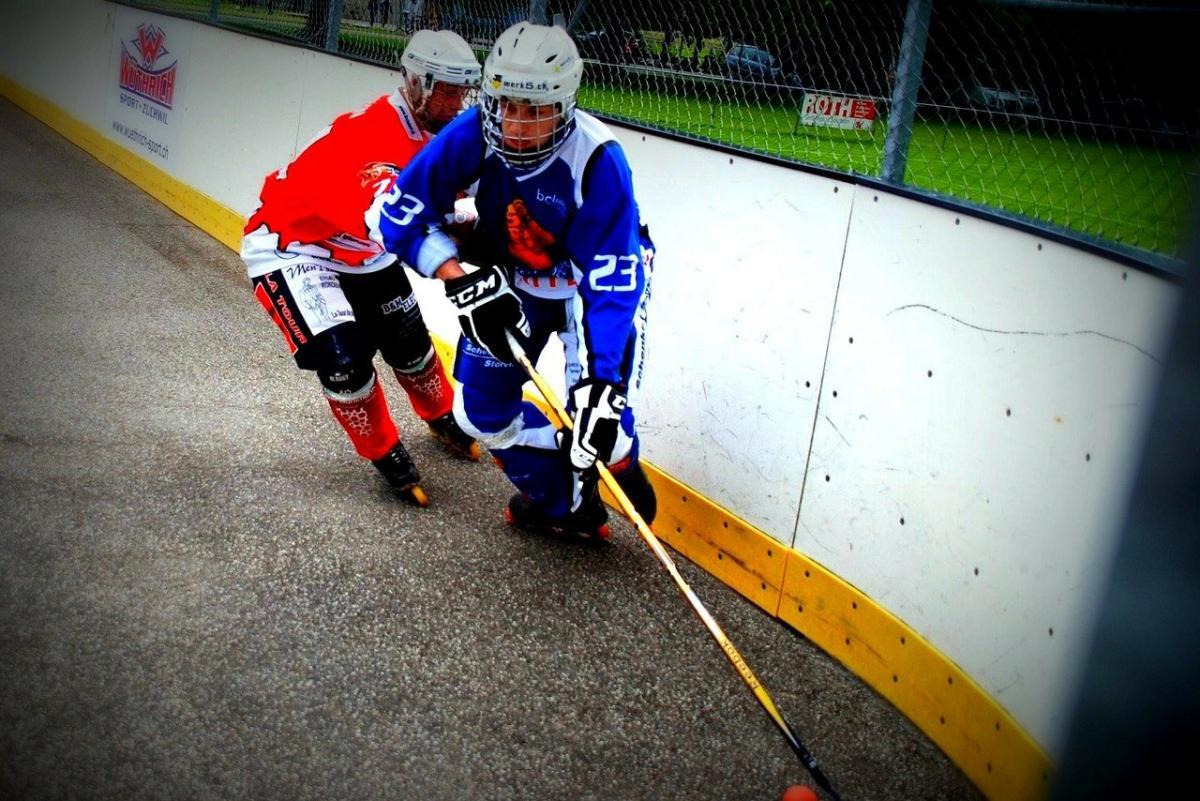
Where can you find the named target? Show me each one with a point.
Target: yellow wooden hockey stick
(563, 420)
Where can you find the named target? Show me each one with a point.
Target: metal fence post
(214, 13)
(577, 15)
(537, 11)
(904, 93)
(333, 25)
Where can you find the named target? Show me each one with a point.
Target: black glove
(487, 307)
(598, 408)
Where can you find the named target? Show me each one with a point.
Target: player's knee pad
(346, 377)
(527, 451)
(408, 351)
(498, 426)
(341, 360)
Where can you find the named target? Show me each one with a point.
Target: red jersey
(323, 202)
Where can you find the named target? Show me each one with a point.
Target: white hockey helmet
(536, 67)
(438, 57)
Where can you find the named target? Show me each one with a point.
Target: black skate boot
(401, 474)
(445, 429)
(633, 481)
(588, 522)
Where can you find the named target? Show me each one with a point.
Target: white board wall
(980, 416)
(1012, 459)
(745, 275)
(255, 104)
(60, 51)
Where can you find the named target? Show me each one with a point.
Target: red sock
(429, 390)
(366, 419)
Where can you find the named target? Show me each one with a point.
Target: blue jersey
(568, 228)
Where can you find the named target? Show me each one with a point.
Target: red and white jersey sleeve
(321, 203)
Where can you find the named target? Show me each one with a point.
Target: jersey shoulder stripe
(589, 136)
(593, 128)
(404, 113)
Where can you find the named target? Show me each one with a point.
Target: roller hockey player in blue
(562, 251)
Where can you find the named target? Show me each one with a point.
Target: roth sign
(838, 111)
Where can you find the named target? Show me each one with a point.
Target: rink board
(993, 395)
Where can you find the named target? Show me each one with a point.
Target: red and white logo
(146, 67)
(838, 111)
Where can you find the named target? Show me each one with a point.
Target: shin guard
(543, 476)
(637, 487)
(428, 389)
(365, 417)
(536, 465)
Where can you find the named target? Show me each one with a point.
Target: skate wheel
(604, 532)
(473, 452)
(508, 517)
(418, 496)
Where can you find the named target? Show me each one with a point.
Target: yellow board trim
(970, 727)
(973, 730)
(202, 211)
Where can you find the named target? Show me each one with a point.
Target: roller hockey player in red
(316, 261)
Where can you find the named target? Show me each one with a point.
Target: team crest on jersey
(379, 174)
(146, 70)
(528, 242)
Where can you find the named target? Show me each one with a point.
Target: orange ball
(798, 792)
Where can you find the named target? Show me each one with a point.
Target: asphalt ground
(204, 593)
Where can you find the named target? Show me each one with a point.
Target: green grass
(1136, 196)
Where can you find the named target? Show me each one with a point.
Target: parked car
(1009, 101)
(749, 63)
(612, 47)
(1155, 123)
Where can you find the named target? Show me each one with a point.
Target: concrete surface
(204, 594)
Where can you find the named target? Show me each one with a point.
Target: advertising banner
(148, 56)
(838, 111)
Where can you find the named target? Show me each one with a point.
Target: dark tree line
(1128, 65)
(1119, 67)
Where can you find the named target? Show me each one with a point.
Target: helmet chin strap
(417, 97)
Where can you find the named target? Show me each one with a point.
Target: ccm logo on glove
(487, 284)
(487, 307)
(598, 409)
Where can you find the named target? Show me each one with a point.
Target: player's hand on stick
(487, 307)
(598, 409)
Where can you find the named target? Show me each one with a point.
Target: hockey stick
(731, 653)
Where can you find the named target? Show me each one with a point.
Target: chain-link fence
(1085, 115)
(1079, 114)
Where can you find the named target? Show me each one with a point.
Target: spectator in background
(383, 8)
(413, 13)
(312, 251)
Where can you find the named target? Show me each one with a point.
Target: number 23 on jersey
(614, 273)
